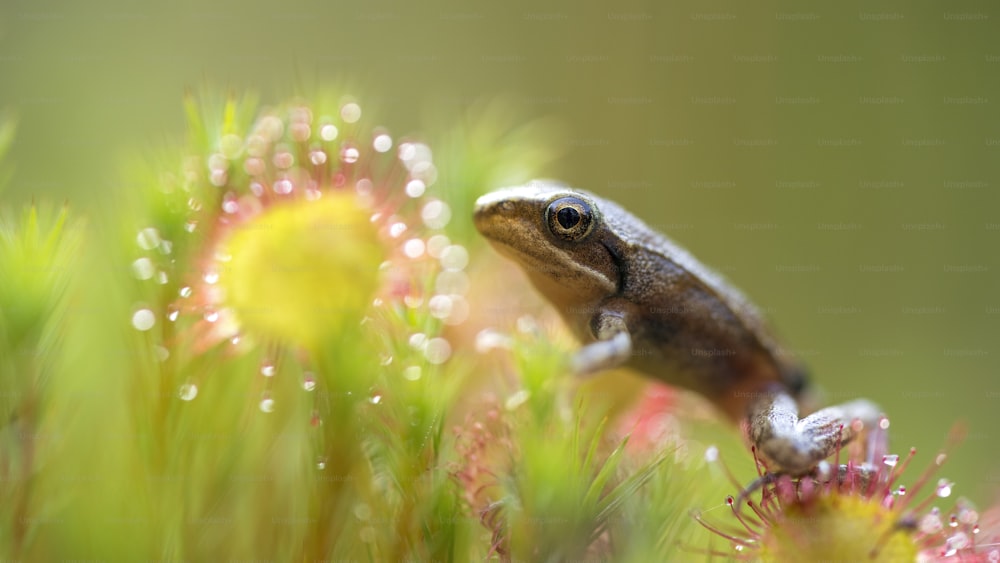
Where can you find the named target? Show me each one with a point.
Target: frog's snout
(490, 210)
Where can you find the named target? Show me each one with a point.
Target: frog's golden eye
(570, 218)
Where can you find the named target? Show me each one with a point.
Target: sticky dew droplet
(382, 143)
(188, 391)
(143, 268)
(350, 112)
(266, 404)
(143, 319)
(148, 238)
(309, 382)
(328, 132)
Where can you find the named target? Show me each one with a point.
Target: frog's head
(557, 235)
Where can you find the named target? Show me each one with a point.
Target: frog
(637, 299)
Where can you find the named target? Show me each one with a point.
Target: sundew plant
(285, 343)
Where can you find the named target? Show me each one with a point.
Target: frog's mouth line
(620, 266)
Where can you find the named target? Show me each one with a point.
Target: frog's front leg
(795, 446)
(612, 348)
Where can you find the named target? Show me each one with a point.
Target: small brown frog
(635, 298)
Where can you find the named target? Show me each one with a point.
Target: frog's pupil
(568, 217)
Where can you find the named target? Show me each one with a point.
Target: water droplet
(397, 229)
(993, 556)
(413, 248)
(412, 373)
(930, 524)
(439, 306)
(730, 500)
(257, 189)
(351, 112)
(218, 162)
(883, 423)
(436, 244)
(454, 258)
(375, 399)
(309, 382)
(257, 145)
(271, 127)
(824, 470)
(944, 488)
(738, 547)
(300, 132)
(425, 171)
(317, 157)
(415, 188)
(958, 541)
(490, 339)
(235, 340)
(283, 186)
(148, 238)
(436, 214)
(161, 278)
(437, 351)
(143, 319)
(283, 160)
(190, 226)
(143, 268)
(414, 153)
(350, 155)
(321, 463)
(188, 391)
(418, 341)
(451, 283)
(162, 354)
(230, 204)
(382, 143)
(413, 301)
(173, 311)
(712, 454)
(328, 132)
(266, 404)
(166, 247)
(940, 459)
(890, 460)
(267, 369)
(901, 491)
(254, 166)
(185, 291)
(218, 178)
(517, 399)
(953, 521)
(210, 277)
(385, 359)
(211, 316)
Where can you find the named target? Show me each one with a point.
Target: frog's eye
(569, 218)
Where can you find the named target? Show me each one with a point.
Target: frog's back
(691, 327)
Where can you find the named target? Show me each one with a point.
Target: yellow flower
(297, 269)
(858, 511)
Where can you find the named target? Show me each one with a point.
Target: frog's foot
(795, 447)
(859, 476)
(612, 348)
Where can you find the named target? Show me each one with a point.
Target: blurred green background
(838, 163)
